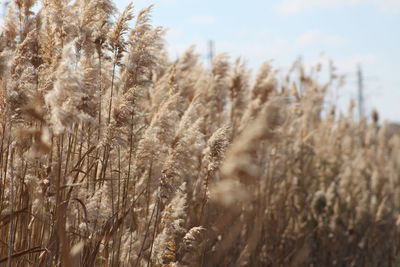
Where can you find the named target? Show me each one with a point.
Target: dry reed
(111, 155)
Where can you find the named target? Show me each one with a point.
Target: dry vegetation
(112, 155)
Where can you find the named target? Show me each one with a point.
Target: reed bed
(111, 154)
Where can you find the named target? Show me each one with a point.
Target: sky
(349, 32)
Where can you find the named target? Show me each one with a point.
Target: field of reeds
(111, 154)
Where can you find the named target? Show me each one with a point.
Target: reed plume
(111, 154)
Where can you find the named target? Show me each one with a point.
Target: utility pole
(211, 51)
(300, 73)
(360, 97)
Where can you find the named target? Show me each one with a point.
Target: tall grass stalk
(113, 155)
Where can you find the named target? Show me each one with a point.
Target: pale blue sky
(350, 32)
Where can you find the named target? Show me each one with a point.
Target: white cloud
(175, 33)
(316, 37)
(292, 7)
(202, 20)
(252, 46)
(350, 64)
(150, 2)
(256, 46)
(389, 6)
